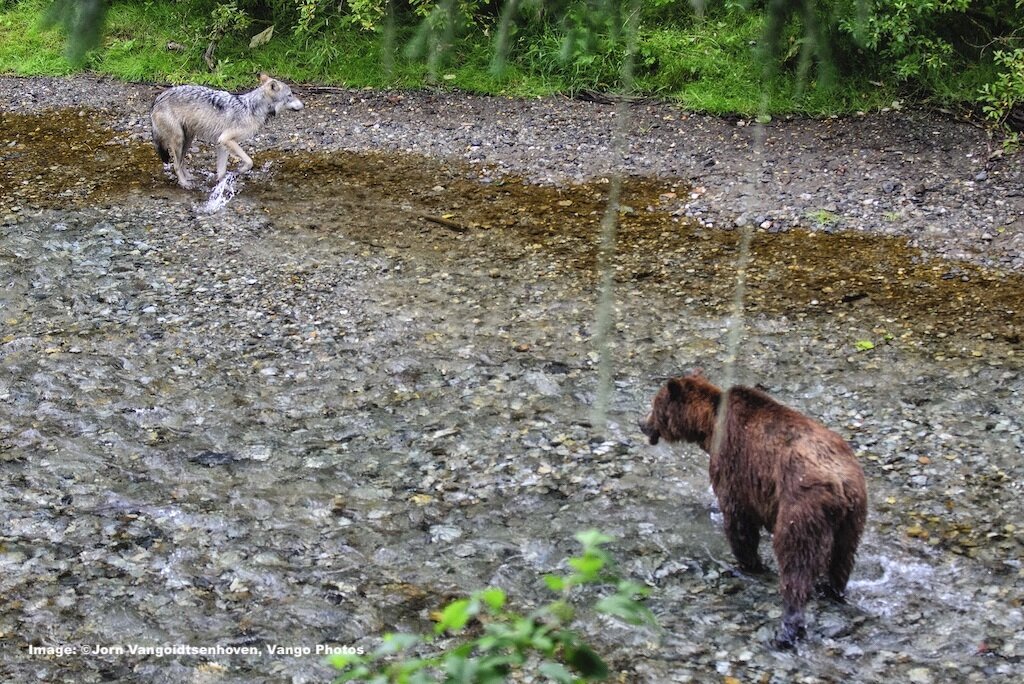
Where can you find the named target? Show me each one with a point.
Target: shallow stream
(362, 385)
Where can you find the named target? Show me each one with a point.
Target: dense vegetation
(816, 56)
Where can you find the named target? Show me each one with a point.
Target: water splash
(220, 195)
(893, 571)
(886, 582)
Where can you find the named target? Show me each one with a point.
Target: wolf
(184, 113)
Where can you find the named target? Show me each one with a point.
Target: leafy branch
(508, 641)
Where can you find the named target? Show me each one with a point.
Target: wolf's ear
(264, 77)
(675, 389)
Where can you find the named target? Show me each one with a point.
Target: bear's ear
(675, 389)
(264, 77)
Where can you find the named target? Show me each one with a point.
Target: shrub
(508, 642)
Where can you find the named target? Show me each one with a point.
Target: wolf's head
(279, 95)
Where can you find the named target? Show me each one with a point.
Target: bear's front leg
(744, 535)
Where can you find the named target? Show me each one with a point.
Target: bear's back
(780, 444)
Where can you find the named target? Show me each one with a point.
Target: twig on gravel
(610, 98)
(450, 225)
(310, 88)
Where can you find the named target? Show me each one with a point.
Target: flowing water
(337, 392)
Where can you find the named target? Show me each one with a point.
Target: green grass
(135, 49)
(27, 50)
(715, 66)
(823, 218)
(707, 65)
(711, 68)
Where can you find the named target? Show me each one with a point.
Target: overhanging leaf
(493, 597)
(591, 538)
(584, 660)
(556, 671)
(454, 617)
(262, 38)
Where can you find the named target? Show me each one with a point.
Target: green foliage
(227, 19)
(1006, 91)
(822, 56)
(595, 40)
(709, 65)
(508, 642)
(823, 218)
(367, 14)
(926, 43)
(908, 34)
(435, 36)
(26, 48)
(317, 16)
(808, 48)
(468, 9)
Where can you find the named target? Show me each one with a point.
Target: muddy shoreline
(944, 185)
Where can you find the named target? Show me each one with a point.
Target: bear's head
(683, 410)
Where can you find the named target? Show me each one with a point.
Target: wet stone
(213, 458)
(920, 675)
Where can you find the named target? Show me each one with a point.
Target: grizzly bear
(772, 467)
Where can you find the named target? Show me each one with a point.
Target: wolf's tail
(160, 137)
(161, 149)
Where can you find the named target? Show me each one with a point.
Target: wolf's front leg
(222, 161)
(237, 150)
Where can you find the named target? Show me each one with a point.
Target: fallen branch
(211, 63)
(449, 224)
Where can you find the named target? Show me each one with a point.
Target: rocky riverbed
(360, 381)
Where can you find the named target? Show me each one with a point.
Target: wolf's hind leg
(179, 162)
(178, 147)
(172, 142)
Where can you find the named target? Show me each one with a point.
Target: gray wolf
(772, 467)
(185, 113)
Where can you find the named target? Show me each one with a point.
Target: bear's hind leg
(802, 545)
(791, 629)
(846, 537)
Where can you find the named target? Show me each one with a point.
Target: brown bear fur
(775, 468)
